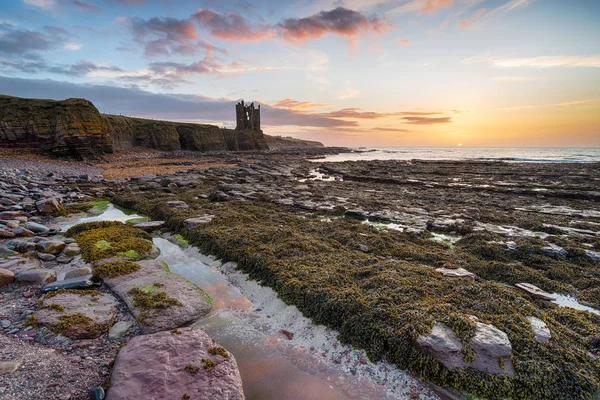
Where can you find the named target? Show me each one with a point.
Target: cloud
(135, 101)
(404, 42)
(292, 104)
(538, 62)
(426, 120)
(432, 6)
(563, 104)
(473, 18)
(355, 113)
(81, 68)
(348, 91)
(88, 7)
(517, 78)
(231, 26)
(384, 129)
(339, 21)
(73, 46)
(165, 36)
(15, 40)
(129, 2)
(47, 4)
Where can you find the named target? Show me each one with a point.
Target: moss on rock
(114, 269)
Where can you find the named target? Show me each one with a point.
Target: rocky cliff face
(69, 128)
(280, 142)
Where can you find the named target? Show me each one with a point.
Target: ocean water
(516, 154)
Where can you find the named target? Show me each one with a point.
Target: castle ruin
(247, 117)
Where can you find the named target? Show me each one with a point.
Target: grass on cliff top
(383, 300)
(107, 239)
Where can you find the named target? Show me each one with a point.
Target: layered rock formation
(67, 128)
(281, 142)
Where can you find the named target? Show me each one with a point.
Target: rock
(78, 316)
(177, 204)
(490, 345)
(6, 252)
(23, 232)
(36, 228)
(81, 282)
(78, 272)
(18, 264)
(194, 302)
(72, 250)
(37, 276)
(46, 257)
(554, 251)
(5, 323)
(172, 187)
(6, 277)
(6, 234)
(540, 330)
(118, 330)
(50, 246)
(535, 291)
(192, 223)
(97, 393)
(8, 367)
(456, 273)
(153, 366)
(219, 196)
(48, 206)
(8, 215)
(362, 247)
(64, 259)
(594, 255)
(150, 226)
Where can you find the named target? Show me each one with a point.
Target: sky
(475, 73)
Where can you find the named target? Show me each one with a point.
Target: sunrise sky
(353, 73)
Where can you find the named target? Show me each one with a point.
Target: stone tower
(247, 117)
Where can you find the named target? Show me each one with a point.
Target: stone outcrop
(68, 128)
(175, 365)
(283, 142)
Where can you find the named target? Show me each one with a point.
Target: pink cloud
(432, 6)
(473, 18)
(404, 42)
(230, 26)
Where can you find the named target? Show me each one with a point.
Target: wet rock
(192, 223)
(78, 316)
(36, 228)
(6, 277)
(71, 250)
(150, 226)
(6, 234)
(540, 330)
(535, 291)
(594, 255)
(53, 247)
(48, 206)
(8, 367)
(491, 347)
(37, 276)
(118, 330)
(78, 272)
(154, 277)
(23, 232)
(177, 204)
(153, 366)
(80, 282)
(456, 273)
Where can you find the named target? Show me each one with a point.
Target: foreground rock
(158, 299)
(535, 291)
(37, 276)
(174, 365)
(492, 351)
(77, 314)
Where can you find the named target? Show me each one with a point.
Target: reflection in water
(112, 213)
(571, 302)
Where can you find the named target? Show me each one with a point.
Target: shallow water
(111, 213)
(571, 302)
(248, 320)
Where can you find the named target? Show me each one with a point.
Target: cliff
(66, 128)
(74, 128)
(280, 142)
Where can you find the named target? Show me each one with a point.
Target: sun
(459, 145)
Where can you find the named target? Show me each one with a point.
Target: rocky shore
(453, 271)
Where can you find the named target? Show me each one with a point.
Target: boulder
(177, 204)
(150, 226)
(36, 228)
(47, 206)
(192, 223)
(535, 291)
(154, 366)
(118, 330)
(53, 247)
(154, 277)
(541, 331)
(83, 315)
(36, 276)
(491, 347)
(6, 277)
(456, 273)
(81, 282)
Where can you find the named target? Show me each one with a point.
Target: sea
(508, 154)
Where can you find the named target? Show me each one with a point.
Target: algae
(114, 269)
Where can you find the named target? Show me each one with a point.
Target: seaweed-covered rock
(174, 365)
(158, 299)
(77, 313)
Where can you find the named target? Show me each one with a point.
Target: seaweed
(114, 269)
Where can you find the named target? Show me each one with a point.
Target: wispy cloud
(473, 18)
(47, 4)
(538, 62)
(427, 120)
(517, 78)
(85, 6)
(292, 104)
(563, 104)
(231, 26)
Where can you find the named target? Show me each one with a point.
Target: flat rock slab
(99, 307)
(152, 367)
(493, 351)
(535, 291)
(456, 273)
(194, 302)
(541, 331)
(150, 226)
(192, 223)
(19, 264)
(37, 276)
(177, 204)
